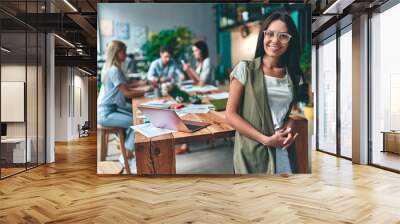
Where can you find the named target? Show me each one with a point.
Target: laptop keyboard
(192, 126)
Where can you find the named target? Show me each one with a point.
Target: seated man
(165, 69)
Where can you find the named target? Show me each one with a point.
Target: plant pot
(309, 113)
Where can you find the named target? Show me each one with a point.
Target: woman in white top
(203, 74)
(262, 93)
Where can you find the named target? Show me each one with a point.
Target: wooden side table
(391, 141)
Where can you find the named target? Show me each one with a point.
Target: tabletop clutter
(184, 99)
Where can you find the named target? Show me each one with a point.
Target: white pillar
(360, 90)
(50, 94)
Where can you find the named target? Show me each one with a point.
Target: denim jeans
(282, 163)
(120, 119)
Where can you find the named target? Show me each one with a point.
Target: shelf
(233, 26)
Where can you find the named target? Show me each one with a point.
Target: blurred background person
(203, 73)
(112, 109)
(165, 68)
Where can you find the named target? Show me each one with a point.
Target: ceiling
(72, 20)
(76, 22)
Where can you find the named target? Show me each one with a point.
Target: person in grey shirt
(165, 68)
(203, 74)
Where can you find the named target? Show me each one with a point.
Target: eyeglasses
(282, 37)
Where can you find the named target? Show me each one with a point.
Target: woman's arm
(136, 83)
(192, 73)
(241, 125)
(206, 70)
(133, 92)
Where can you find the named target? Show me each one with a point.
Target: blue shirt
(171, 70)
(110, 98)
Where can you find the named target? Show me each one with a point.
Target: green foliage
(178, 39)
(305, 62)
(305, 66)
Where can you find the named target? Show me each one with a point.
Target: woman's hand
(148, 89)
(278, 140)
(291, 137)
(186, 67)
(144, 89)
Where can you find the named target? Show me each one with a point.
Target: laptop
(167, 118)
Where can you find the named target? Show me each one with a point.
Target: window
(385, 89)
(326, 96)
(346, 92)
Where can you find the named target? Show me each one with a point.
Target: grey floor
(203, 158)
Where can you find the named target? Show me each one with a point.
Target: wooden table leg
(158, 157)
(103, 144)
(143, 159)
(301, 127)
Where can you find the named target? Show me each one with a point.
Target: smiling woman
(262, 94)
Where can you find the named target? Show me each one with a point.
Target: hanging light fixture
(70, 5)
(5, 50)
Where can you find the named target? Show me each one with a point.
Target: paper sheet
(195, 109)
(150, 131)
(218, 96)
(164, 104)
(201, 89)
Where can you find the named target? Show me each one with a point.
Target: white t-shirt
(279, 92)
(205, 70)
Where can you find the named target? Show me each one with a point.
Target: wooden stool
(104, 133)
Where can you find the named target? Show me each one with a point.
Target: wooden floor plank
(70, 191)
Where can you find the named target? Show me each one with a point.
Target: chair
(104, 133)
(84, 129)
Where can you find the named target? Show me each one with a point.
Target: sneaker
(131, 162)
(182, 149)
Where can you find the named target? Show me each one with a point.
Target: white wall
(200, 18)
(244, 48)
(69, 82)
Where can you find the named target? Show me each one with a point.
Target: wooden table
(157, 155)
(391, 141)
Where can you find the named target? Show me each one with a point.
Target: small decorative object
(245, 16)
(195, 99)
(309, 112)
(179, 95)
(179, 99)
(245, 31)
(231, 22)
(223, 22)
(239, 11)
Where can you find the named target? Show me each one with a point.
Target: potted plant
(178, 39)
(305, 65)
